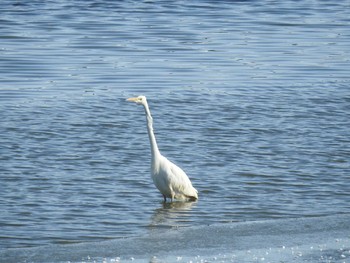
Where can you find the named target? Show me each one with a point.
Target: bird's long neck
(152, 138)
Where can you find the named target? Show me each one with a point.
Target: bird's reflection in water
(172, 214)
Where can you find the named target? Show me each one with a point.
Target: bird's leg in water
(164, 198)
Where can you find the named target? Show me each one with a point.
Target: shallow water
(251, 99)
(321, 239)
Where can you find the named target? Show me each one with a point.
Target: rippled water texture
(250, 98)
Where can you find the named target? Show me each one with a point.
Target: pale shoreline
(316, 239)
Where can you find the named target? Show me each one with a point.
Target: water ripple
(250, 99)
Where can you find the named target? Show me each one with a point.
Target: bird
(171, 181)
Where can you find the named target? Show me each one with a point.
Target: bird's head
(141, 100)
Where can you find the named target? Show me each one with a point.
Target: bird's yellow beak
(132, 99)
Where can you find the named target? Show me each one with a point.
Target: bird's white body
(170, 179)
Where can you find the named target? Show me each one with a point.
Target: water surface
(251, 99)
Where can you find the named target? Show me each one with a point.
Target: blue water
(251, 99)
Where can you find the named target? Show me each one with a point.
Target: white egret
(170, 179)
